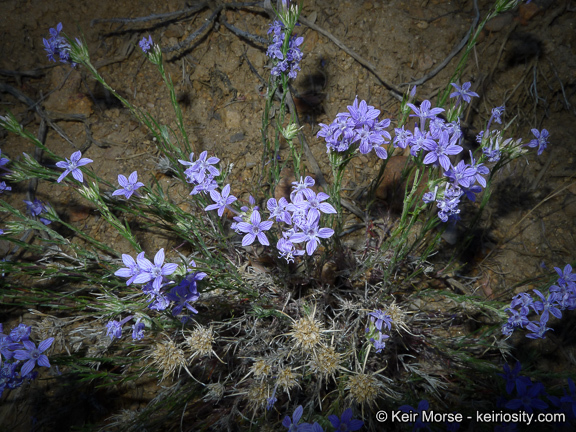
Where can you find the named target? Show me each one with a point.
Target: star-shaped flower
(221, 201)
(129, 185)
(73, 166)
(33, 355)
(254, 229)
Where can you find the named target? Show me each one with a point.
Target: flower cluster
(302, 214)
(525, 395)
(359, 125)
(146, 44)
(287, 59)
(153, 275)
(201, 173)
(15, 348)
(378, 319)
(57, 45)
(561, 296)
(343, 423)
(36, 208)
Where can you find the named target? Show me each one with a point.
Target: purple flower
(129, 185)
(480, 170)
(538, 328)
(311, 202)
(380, 343)
(541, 140)
(287, 250)
(159, 301)
(510, 376)
(203, 164)
(183, 294)
(36, 208)
(146, 44)
(114, 328)
(289, 63)
(20, 333)
(362, 113)
(345, 422)
(566, 275)
(423, 405)
(278, 210)
(131, 270)
(440, 151)
(463, 93)
(292, 424)
(301, 186)
(33, 355)
(420, 140)
(201, 173)
(57, 45)
(3, 160)
(448, 205)
(528, 399)
(430, 196)
(138, 330)
(255, 229)
(221, 200)
(461, 174)
(546, 306)
(311, 233)
(517, 318)
(379, 318)
(424, 112)
(402, 137)
(73, 166)
(154, 272)
(3, 187)
(497, 115)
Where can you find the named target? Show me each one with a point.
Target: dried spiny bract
(167, 357)
(257, 395)
(215, 392)
(307, 332)
(398, 317)
(125, 420)
(364, 389)
(200, 341)
(325, 362)
(261, 369)
(287, 378)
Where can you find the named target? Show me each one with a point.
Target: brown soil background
(526, 59)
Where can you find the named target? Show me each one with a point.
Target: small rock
(499, 23)
(527, 11)
(237, 137)
(174, 31)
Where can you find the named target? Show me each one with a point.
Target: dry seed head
(325, 362)
(287, 379)
(307, 332)
(257, 395)
(398, 317)
(200, 341)
(364, 388)
(261, 369)
(215, 392)
(167, 357)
